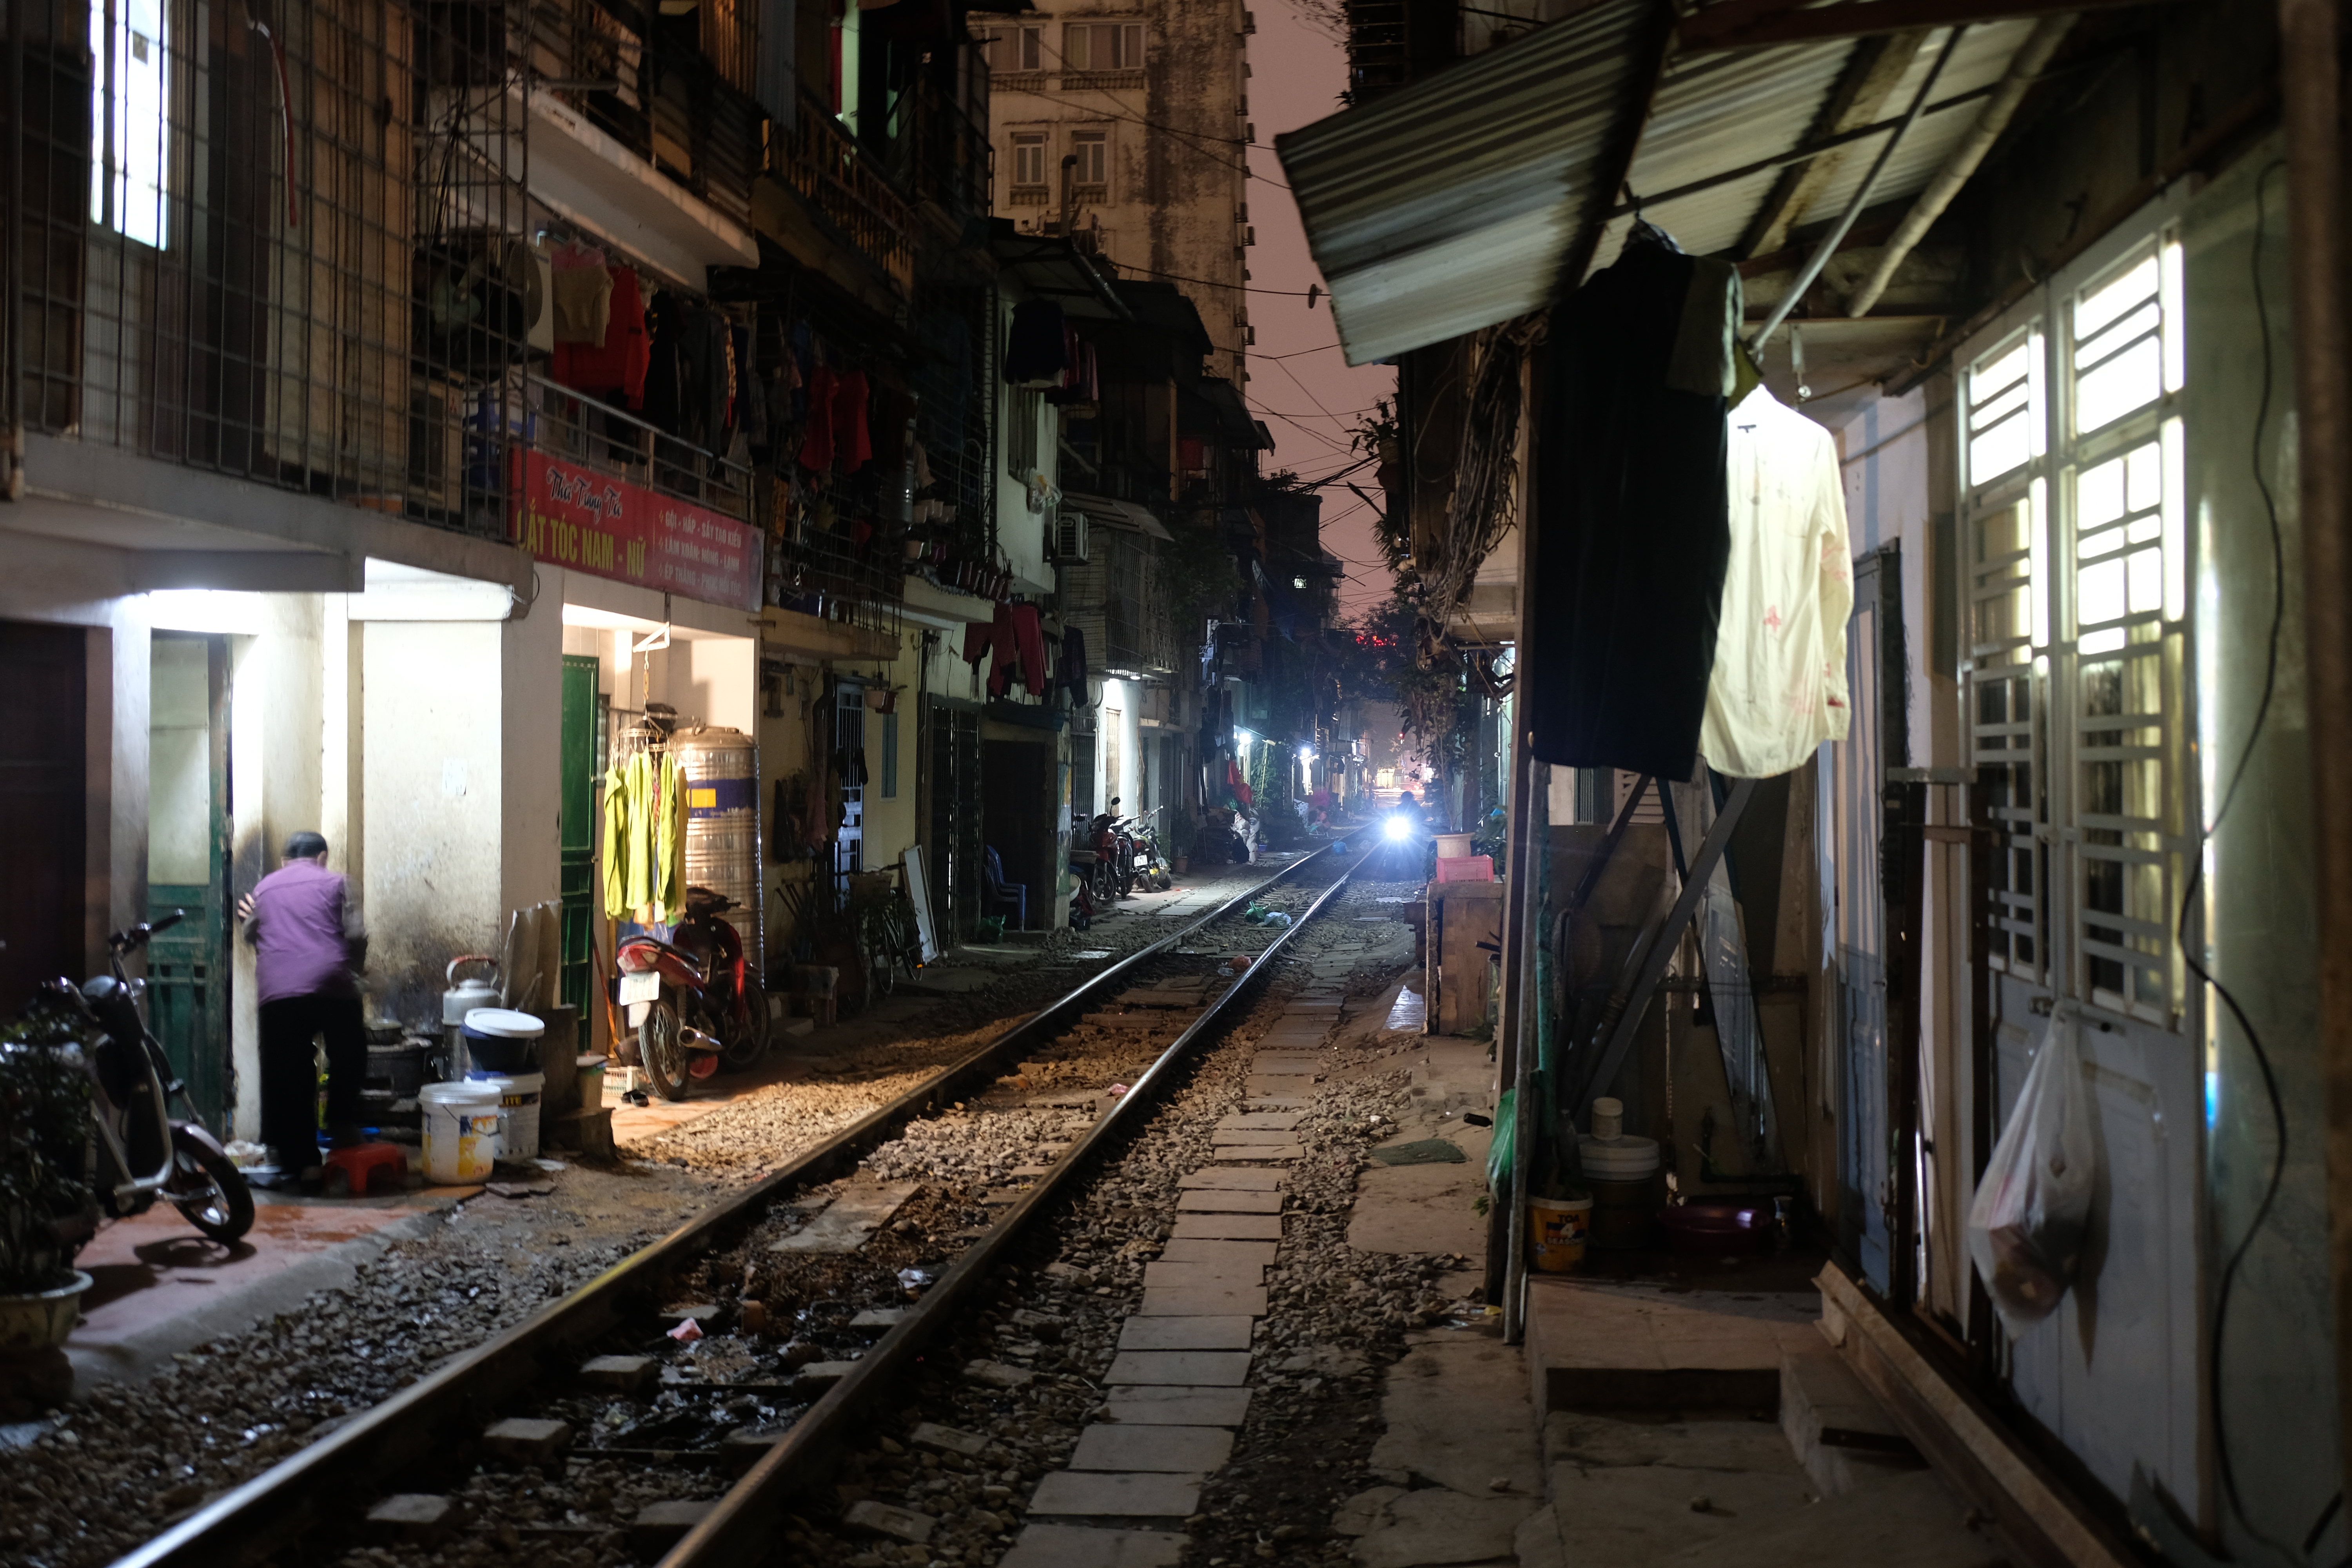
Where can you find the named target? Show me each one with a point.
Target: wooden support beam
(1756, 23)
(1869, 79)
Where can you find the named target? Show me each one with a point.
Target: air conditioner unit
(1070, 536)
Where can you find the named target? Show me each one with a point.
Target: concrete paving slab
(1200, 1277)
(1173, 1451)
(1260, 1121)
(1599, 1441)
(1247, 1301)
(1437, 1525)
(1278, 1102)
(1198, 1227)
(1644, 1513)
(845, 1223)
(1074, 1546)
(1183, 1369)
(1224, 1135)
(1406, 1209)
(1227, 1254)
(1226, 1331)
(1286, 1086)
(1232, 1181)
(1155, 1405)
(1910, 1521)
(1602, 1345)
(1457, 1413)
(1097, 1494)
(1219, 1200)
(1259, 1151)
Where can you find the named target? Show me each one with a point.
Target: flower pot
(30, 1324)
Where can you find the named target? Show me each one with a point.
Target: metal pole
(1836, 235)
(12, 483)
(2311, 83)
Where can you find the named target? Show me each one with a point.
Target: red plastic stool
(372, 1167)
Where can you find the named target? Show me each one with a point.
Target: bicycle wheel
(209, 1189)
(661, 1050)
(881, 958)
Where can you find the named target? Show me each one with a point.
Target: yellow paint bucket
(1556, 1231)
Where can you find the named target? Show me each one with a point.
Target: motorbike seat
(693, 961)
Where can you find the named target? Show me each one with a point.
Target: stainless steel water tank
(722, 823)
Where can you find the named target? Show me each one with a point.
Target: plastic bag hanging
(2034, 1206)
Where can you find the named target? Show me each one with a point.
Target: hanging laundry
(816, 441)
(750, 395)
(1778, 688)
(617, 361)
(1632, 529)
(853, 443)
(1073, 671)
(581, 287)
(1036, 350)
(645, 839)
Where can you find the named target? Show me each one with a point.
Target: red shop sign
(574, 517)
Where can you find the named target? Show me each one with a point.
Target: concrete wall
(1175, 203)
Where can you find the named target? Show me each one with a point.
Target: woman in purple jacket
(310, 942)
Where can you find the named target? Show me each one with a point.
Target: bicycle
(883, 917)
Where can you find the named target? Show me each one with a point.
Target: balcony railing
(818, 158)
(1117, 599)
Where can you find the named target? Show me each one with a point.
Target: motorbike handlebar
(138, 935)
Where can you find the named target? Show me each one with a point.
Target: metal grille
(1114, 599)
(954, 383)
(285, 246)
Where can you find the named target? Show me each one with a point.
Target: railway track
(593, 1386)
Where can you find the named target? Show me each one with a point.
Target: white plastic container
(1624, 1160)
(1608, 1120)
(519, 1095)
(461, 1130)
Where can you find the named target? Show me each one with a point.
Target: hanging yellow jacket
(639, 885)
(617, 819)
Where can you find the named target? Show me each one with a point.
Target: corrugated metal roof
(1450, 205)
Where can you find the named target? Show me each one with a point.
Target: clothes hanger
(1645, 232)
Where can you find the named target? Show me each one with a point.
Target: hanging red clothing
(618, 363)
(816, 450)
(850, 435)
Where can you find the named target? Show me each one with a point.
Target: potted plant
(47, 1207)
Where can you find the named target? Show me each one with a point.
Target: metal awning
(1052, 268)
(1116, 513)
(1474, 195)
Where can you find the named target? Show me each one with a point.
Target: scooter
(696, 1001)
(1151, 869)
(1114, 857)
(138, 1153)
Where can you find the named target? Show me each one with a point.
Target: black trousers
(289, 1086)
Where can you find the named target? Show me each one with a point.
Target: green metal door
(187, 864)
(576, 825)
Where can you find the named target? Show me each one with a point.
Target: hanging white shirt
(1779, 688)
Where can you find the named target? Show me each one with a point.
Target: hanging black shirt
(1633, 534)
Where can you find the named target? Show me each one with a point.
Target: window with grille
(127, 179)
(1092, 149)
(1028, 160)
(2078, 619)
(1102, 46)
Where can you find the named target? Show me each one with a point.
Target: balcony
(1116, 598)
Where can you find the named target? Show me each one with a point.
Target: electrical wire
(2196, 877)
(1243, 287)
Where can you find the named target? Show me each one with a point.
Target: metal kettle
(464, 995)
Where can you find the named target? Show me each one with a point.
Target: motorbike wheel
(209, 1191)
(664, 1051)
(1162, 880)
(747, 1038)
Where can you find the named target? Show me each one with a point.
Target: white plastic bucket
(461, 1130)
(519, 1095)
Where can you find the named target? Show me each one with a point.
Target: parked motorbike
(1151, 867)
(697, 1002)
(139, 1152)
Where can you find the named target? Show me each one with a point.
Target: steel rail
(248, 1523)
(738, 1530)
